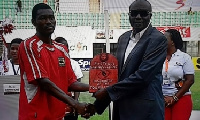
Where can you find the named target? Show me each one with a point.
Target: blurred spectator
(19, 6)
(57, 5)
(13, 62)
(77, 71)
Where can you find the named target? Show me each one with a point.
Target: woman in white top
(13, 63)
(178, 77)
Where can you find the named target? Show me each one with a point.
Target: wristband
(175, 98)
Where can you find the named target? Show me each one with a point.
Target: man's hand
(81, 108)
(85, 110)
(90, 111)
(102, 100)
(101, 94)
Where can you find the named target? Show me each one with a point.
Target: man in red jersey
(46, 73)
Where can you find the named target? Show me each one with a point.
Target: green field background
(86, 97)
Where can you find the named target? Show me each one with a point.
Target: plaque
(103, 71)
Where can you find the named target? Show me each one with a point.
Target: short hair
(38, 7)
(176, 38)
(16, 40)
(61, 40)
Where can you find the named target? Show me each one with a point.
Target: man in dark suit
(140, 53)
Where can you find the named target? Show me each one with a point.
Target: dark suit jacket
(138, 93)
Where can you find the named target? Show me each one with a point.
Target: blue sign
(84, 63)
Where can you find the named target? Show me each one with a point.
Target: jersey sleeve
(30, 62)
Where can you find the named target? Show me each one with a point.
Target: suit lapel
(131, 54)
(125, 43)
(138, 45)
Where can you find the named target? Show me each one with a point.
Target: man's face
(45, 22)
(14, 51)
(139, 15)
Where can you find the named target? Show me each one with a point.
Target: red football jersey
(40, 60)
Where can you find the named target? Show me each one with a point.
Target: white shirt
(10, 69)
(132, 42)
(179, 65)
(1, 67)
(76, 68)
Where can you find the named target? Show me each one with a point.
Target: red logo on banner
(184, 31)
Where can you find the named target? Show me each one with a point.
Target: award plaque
(103, 71)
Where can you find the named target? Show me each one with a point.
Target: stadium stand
(94, 18)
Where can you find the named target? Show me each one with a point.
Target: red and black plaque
(103, 71)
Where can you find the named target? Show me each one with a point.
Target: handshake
(87, 109)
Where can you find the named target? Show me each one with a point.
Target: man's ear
(150, 15)
(33, 21)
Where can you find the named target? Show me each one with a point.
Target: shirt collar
(140, 33)
(176, 53)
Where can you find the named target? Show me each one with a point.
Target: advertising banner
(187, 33)
(196, 62)
(84, 63)
(79, 40)
(184, 31)
(121, 6)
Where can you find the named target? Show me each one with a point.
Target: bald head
(140, 15)
(140, 5)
